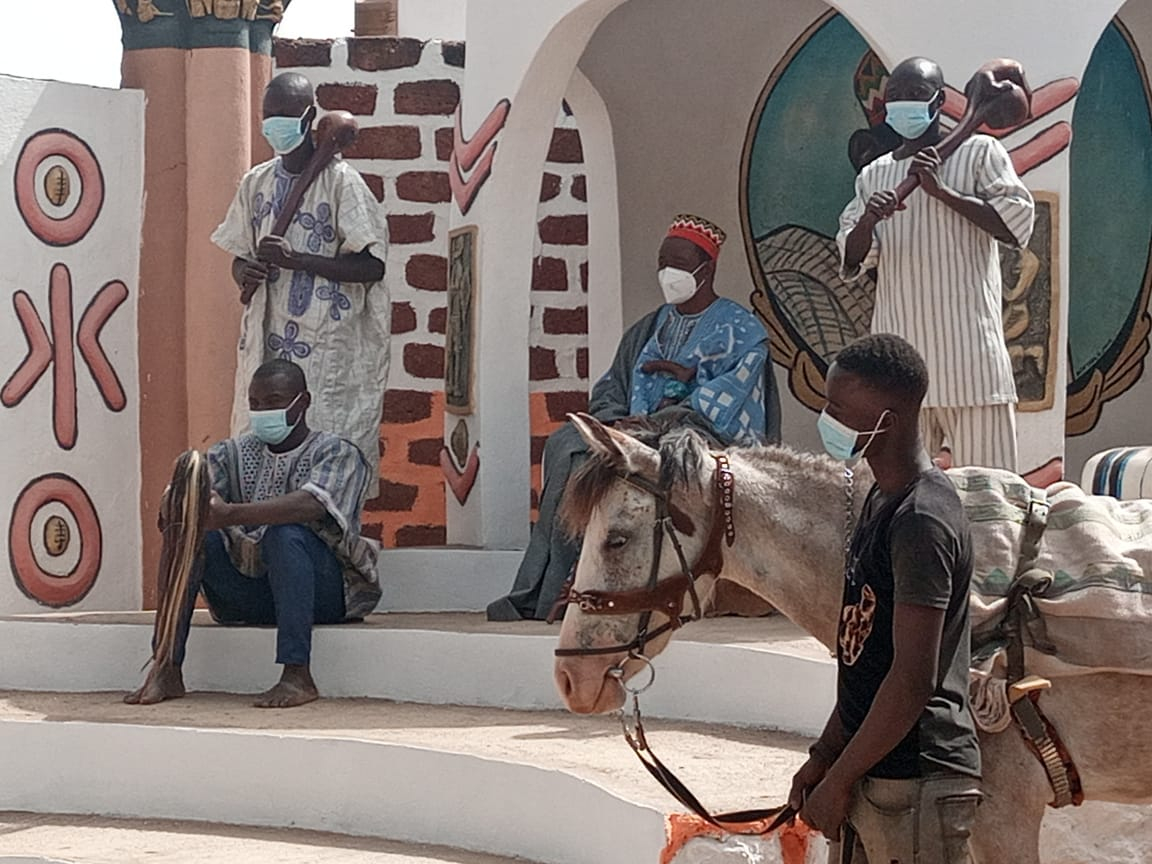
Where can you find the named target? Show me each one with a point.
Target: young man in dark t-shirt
(898, 764)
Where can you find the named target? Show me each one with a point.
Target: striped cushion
(1124, 473)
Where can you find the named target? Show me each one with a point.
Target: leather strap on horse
(747, 822)
(1024, 691)
(665, 596)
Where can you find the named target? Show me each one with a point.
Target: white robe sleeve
(235, 234)
(363, 225)
(998, 184)
(848, 220)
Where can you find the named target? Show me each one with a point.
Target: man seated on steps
(284, 545)
(698, 361)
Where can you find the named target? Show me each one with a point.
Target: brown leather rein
(666, 596)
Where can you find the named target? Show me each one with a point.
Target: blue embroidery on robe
(728, 348)
(332, 293)
(319, 227)
(289, 346)
(300, 292)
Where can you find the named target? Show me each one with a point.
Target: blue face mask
(272, 427)
(841, 441)
(910, 120)
(285, 134)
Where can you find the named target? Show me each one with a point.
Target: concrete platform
(544, 786)
(761, 672)
(56, 839)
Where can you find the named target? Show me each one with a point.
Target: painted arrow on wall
(474, 156)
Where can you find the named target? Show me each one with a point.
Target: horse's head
(634, 506)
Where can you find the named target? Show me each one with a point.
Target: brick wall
(404, 94)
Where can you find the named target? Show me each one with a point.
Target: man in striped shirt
(284, 544)
(938, 267)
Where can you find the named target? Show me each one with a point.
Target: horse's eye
(616, 540)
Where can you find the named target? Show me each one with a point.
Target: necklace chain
(849, 516)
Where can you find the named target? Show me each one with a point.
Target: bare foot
(296, 687)
(163, 683)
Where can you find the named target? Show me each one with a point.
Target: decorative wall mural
(1032, 308)
(799, 170)
(71, 259)
(474, 156)
(250, 10)
(461, 481)
(459, 338)
(59, 187)
(55, 543)
(56, 350)
(1110, 211)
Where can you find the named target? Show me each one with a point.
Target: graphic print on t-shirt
(856, 626)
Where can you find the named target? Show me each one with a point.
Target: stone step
(29, 838)
(541, 786)
(705, 675)
(545, 786)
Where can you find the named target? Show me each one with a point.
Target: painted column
(203, 66)
(508, 111)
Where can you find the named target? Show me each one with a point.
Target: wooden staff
(183, 514)
(998, 97)
(334, 132)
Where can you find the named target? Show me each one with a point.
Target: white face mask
(679, 286)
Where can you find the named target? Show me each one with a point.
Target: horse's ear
(598, 437)
(623, 451)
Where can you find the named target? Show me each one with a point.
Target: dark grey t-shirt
(910, 548)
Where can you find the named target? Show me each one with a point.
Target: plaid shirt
(330, 469)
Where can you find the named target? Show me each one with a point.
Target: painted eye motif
(616, 541)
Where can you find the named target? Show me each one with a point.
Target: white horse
(790, 514)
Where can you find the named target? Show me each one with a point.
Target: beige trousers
(922, 821)
(984, 436)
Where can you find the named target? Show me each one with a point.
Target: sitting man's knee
(278, 538)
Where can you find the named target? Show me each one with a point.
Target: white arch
(528, 52)
(605, 306)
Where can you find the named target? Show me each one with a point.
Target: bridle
(665, 596)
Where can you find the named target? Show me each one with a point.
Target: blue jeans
(303, 585)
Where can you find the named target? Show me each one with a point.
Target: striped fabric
(1124, 473)
(984, 437)
(1097, 611)
(938, 282)
(331, 470)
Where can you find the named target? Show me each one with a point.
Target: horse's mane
(683, 453)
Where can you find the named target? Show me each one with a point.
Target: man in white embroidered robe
(317, 294)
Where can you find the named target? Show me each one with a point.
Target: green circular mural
(798, 177)
(1110, 228)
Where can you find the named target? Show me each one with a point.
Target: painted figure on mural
(938, 280)
(699, 362)
(897, 767)
(283, 545)
(317, 294)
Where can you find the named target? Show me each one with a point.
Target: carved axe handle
(334, 132)
(998, 95)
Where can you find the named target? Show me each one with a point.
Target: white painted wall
(605, 298)
(431, 19)
(104, 460)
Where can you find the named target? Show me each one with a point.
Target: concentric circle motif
(55, 542)
(59, 187)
